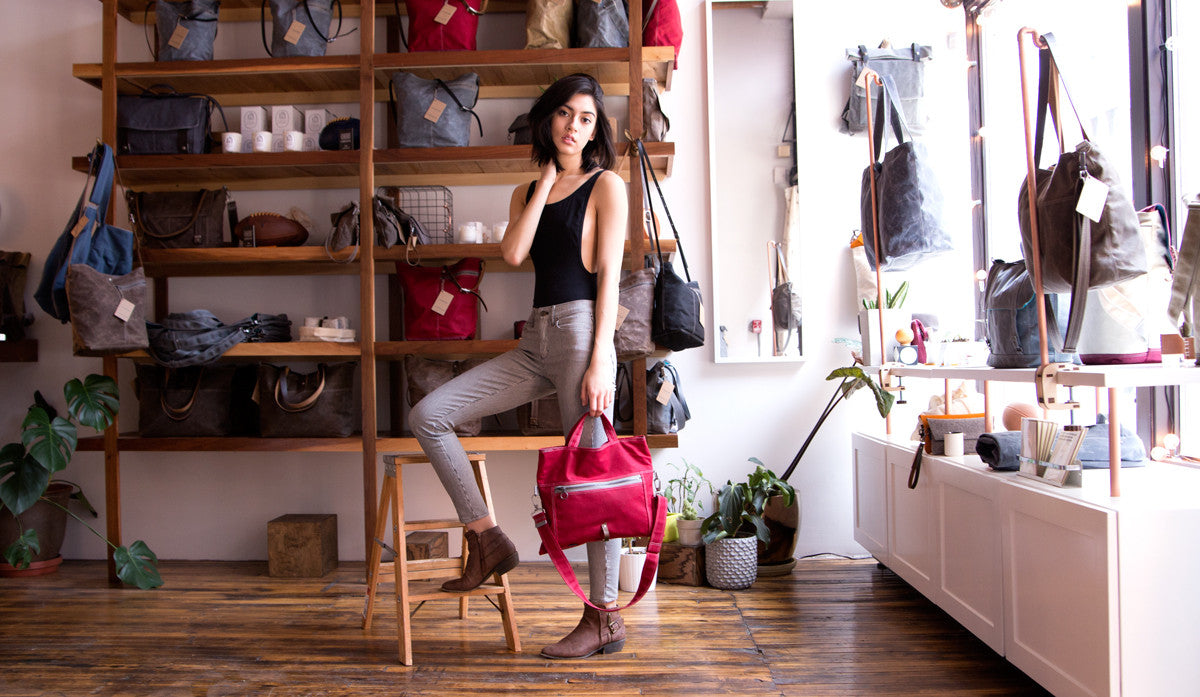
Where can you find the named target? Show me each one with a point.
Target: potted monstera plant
(34, 505)
(733, 533)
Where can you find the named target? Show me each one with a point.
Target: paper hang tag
(293, 33)
(664, 392)
(442, 304)
(622, 313)
(79, 226)
(1092, 198)
(434, 112)
(447, 11)
(124, 310)
(178, 36)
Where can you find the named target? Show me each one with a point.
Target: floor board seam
(762, 658)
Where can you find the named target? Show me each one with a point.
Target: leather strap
(461, 106)
(568, 574)
(914, 471)
(135, 202)
(282, 399)
(1185, 284)
(178, 413)
(1079, 283)
(646, 168)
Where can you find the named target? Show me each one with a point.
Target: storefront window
(1092, 39)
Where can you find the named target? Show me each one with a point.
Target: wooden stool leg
(403, 621)
(376, 552)
(507, 612)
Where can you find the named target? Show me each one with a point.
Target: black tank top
(558, 271)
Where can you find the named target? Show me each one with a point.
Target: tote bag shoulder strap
(646, 168)
(649, 570)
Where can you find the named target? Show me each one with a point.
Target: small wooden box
(427, 544)
(681, 564)
(302, 545)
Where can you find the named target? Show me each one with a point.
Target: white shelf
(1102, 376)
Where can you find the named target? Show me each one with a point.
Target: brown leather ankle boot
(597, 631)
(488, 552)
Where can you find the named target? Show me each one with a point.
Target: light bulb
(1158, 453)
(982, 132)
(1158, 154)
(1171, 442)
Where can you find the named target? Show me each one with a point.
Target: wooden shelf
(23, 351)
(307, 260)
(1100, 376)
(338, 169)
(279, 351)
(250, 10)
(514, 73)
(385, 444)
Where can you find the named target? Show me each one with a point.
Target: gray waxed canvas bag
(600, 24)
(186, 29)
(905, 65)
(434, 113)
(1012, 323)
(300, 27)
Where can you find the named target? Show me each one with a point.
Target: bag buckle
(536, 500)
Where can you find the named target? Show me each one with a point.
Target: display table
(1087, 593)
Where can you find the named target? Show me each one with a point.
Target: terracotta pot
(37, 568)
(784, 524)
(49, 521)
(689, 532)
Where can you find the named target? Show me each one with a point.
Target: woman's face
(574, 124)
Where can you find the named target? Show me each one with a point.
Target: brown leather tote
(320, 404)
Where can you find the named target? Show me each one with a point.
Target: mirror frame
(714, 235)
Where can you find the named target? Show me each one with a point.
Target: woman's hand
(596, 393)
(549, 172)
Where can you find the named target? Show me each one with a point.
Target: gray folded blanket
(1000, 451)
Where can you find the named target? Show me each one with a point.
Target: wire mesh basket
(432, 206)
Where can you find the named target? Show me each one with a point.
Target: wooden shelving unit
(361, 78)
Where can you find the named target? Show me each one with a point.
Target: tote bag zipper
(564, 490)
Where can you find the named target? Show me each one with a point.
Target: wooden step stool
(403, 571)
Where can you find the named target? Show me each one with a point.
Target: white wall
(216, 505)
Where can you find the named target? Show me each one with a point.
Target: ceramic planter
(689, 532)
(49, 520)
(731, 563)
(632, 563)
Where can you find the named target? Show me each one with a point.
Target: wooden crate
(681, 564)
(302, 545)
(427, 544)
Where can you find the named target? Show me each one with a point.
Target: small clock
(906, 355)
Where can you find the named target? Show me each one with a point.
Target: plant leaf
(22, 478)
(137, 565)
(94, 401)
(50, 442)
(20, 553)
(760, 529)
(883, 399)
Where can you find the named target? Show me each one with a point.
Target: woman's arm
(612, 220)
(523, 217)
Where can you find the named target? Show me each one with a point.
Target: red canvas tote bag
(663, 26)
(443, 25)
(441, 302)
(590, 494)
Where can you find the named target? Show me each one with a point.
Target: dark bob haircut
(599, 152)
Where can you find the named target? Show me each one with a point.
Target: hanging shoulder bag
(300, 27)
(441, 302)
(601, 493)
(678, 321)
(173, 219)
(87, 239)
(904, 65)
(1077, 254)
(434, 113)
(908, 201)
(600, 24)
(442, 25)
(186, 29)
(548, 23)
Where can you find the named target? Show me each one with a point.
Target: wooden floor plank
(829, 628)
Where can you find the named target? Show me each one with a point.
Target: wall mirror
(750, 72)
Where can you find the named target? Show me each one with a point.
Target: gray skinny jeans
(552, 356)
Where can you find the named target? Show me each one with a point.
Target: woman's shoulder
(608, 179)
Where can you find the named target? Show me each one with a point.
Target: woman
(572, 223)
